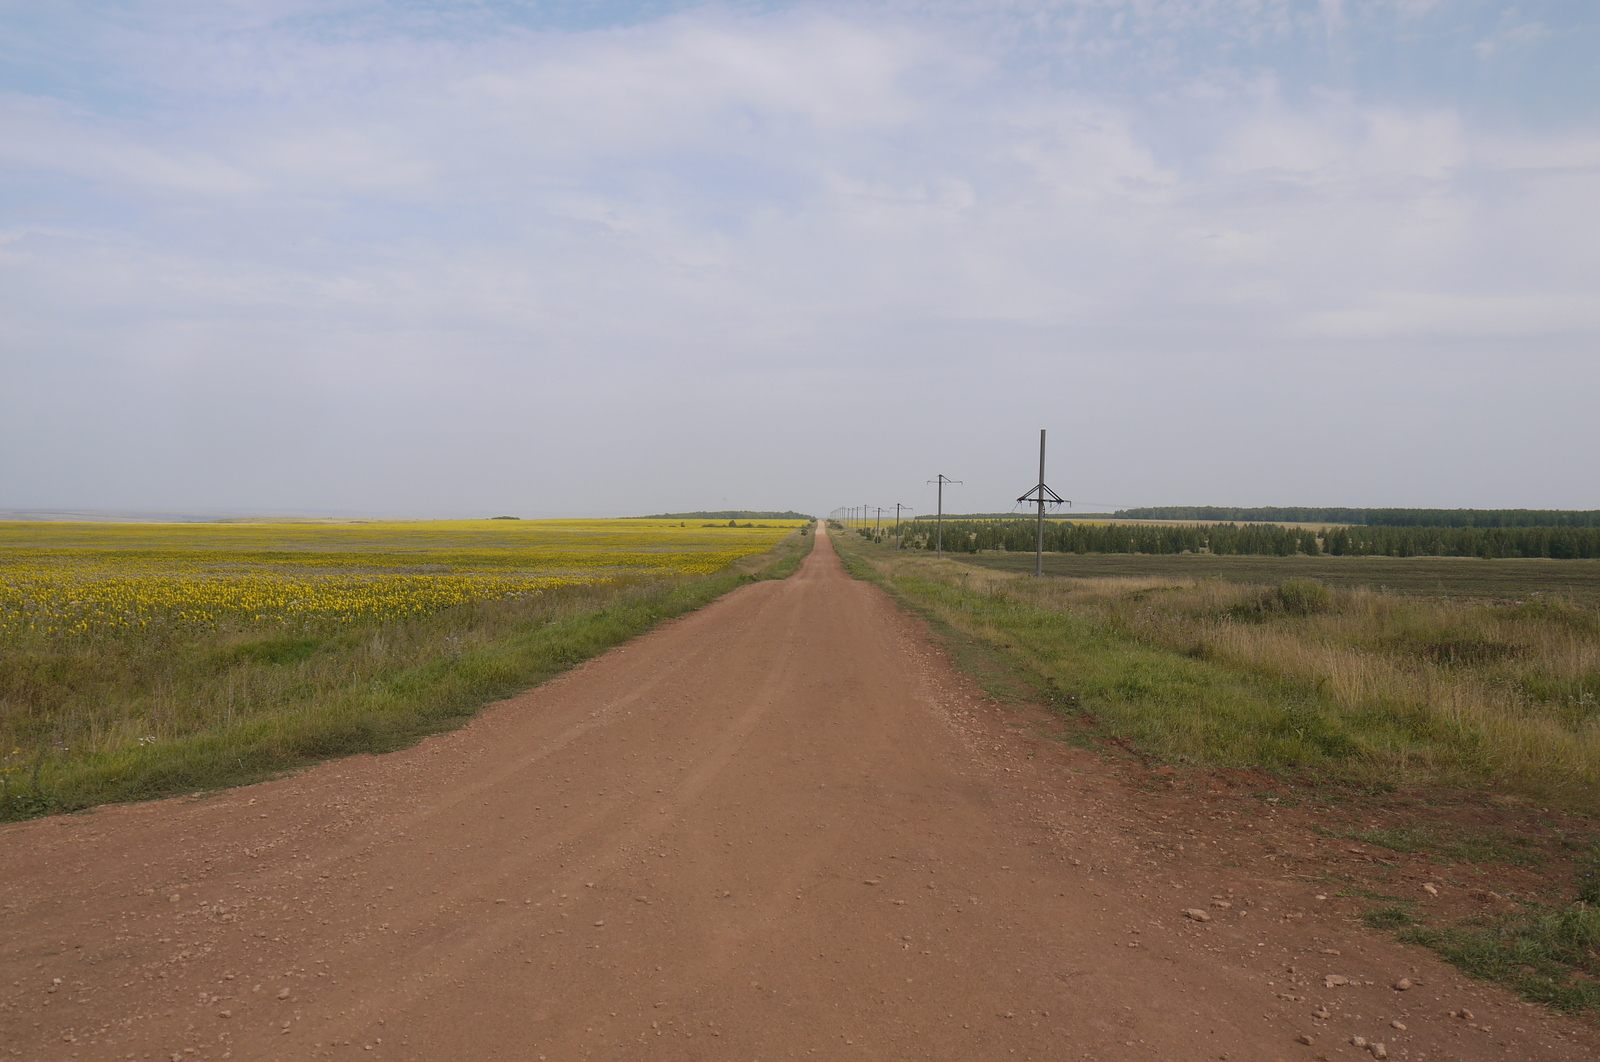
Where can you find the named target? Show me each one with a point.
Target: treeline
(970, 536)
(1013, 535)
(1560, 543)
(1372, 517)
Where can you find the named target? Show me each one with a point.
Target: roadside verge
(1257, 767)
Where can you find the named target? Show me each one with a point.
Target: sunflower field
(137, 659)
(94, 579)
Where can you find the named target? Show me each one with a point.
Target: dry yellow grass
(1383, 687)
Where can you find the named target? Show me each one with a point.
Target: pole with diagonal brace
(1042, 495)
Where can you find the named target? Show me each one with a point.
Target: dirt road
(781, 827)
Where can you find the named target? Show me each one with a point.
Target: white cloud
(355, 225)
(1511, 39)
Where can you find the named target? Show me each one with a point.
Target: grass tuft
(1391, 917)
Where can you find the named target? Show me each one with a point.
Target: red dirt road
(781, 827)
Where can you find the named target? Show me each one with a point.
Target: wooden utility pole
(942, 479)
(1042, 495)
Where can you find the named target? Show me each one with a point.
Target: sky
(589, 258)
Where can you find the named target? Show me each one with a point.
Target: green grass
(1391, 917)
(1548, 954)
(303, 699)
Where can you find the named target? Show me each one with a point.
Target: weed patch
(1547, 953)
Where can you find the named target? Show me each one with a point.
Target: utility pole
(1043, 495)
(942, 479)
(897, 508)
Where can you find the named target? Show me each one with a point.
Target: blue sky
(570, 258)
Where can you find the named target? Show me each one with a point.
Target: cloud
(1510, 38)
(343, 219)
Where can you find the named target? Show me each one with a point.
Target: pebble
(1335, 980)
(1380, 1051)
(1464, 1014)
(1358, 1041)
(283, 993)
(1306, 1039)
(1322, 1012)
(1398, 1024)
(1430, 888)
(1197, 914)
(1405, 984)
(1222, 905)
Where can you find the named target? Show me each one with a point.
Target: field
(137, 659)
(91, 579)
(1504, 579)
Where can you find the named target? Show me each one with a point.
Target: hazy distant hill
(731, 514)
